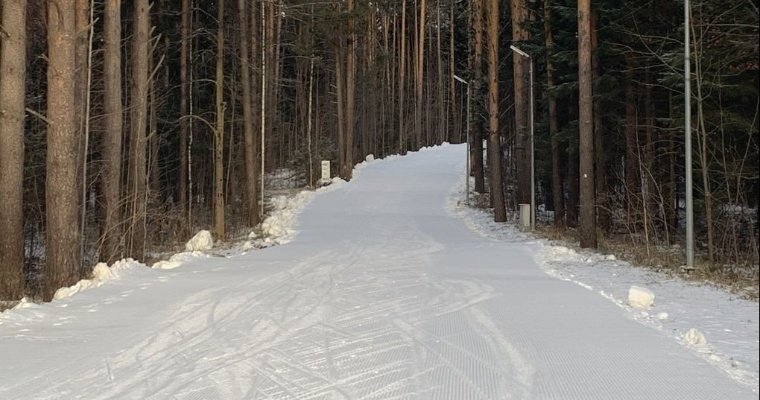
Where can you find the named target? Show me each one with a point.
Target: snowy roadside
(729, 324)
(277, 228)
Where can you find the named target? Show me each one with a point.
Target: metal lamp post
(467, 130)
(687, 141)
(532, 153)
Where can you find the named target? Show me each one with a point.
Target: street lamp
(687, 141)
(467, 130)
(532, 155)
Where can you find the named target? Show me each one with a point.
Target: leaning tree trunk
(61, 184)
(586, 128)
(12, 78)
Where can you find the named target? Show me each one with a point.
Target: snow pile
(640, 297)
(23, 303)
(202, 241)
(178, 259)
(694, 337)
(279, 226)
(101, 274)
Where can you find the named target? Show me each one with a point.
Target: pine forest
(127, 126)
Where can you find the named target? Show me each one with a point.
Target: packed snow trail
(383, 294)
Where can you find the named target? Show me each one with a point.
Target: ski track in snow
(382, 294)
(730, 323)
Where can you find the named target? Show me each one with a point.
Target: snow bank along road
(383, 294)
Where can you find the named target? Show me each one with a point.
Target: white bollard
(525, 217)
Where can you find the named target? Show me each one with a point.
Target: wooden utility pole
(586, 128)
(12, 79)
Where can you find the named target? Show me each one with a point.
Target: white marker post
(325, 172)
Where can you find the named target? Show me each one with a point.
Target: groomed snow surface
(383, 288)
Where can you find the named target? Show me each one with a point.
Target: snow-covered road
(383, 294)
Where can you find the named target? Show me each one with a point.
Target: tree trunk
(184, 122)
(600, 163)
(557, 192)
(340, 106)
(670, 193)
(12, 79)
(251, 194)
(475, 125)
(454, 114)
(111, 225)
(648, 194)
(520, 64)
(494, 139)
(81, 51)
(704, 161)
(63, 145)
(348, 160)
(139, 99)
(219, 128)
(586, 128)
(443, 133)
(571, 212)
(632, 180)
(420, 74)
(402, 78)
